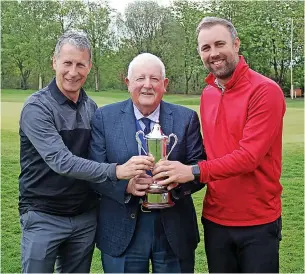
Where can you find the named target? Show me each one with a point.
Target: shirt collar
(217, 83)
(153, 116)
(61, 98)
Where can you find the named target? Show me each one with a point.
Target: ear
(54, 62)
(90, 65)
(165, 83)
(126, 80)
(236, 44)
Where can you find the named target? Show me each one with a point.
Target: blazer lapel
(128, 124)
(167, 123)
(166, 118)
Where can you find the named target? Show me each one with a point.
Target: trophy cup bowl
(157, 196)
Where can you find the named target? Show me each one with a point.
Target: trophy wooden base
(157, 206)
(157, 198)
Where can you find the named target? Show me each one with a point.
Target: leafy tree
(265, 31)
(143, 20)
(188, 14)
(16, 36)
(96, 24)
(68, 14)
(45, 30)
(30, 29)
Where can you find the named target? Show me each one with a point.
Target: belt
(146, 210)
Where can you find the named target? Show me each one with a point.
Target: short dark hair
(75, 38)
(208, 22)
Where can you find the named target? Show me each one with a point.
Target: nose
(214, 52)
(73, 71)
(147, 83)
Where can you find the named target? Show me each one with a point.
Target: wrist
(118, 172)
(196, 172)
(190, 177)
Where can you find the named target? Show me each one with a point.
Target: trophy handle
(139, 140)
(175, 143)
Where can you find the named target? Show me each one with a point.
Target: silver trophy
(156, 142)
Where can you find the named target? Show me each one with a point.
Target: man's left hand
(173, 171)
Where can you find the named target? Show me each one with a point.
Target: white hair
(147, 57)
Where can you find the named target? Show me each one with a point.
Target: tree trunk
(274, 61)
(40, 82)
(24, 75)
(281, 77)
(185, 74)
(97, 84)
(24, 78)
(197, 81)
(187, 77)
(186, 86)
(24, 84)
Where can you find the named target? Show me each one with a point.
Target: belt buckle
(144, 209)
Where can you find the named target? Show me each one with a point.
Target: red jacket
(242, 131)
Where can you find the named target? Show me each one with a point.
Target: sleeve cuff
(203, 174)
(176, 192)
(112, 172)
(127, 198)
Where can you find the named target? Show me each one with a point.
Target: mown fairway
(292, 245)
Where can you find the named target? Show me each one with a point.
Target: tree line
(30, 29)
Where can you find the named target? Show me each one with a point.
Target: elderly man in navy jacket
(129, 237)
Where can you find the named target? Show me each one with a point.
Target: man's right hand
(136, 165)
(137, 185)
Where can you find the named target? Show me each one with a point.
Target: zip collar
(220, 86)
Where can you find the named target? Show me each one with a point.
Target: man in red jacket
(242, 121)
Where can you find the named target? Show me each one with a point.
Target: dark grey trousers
(49, 239)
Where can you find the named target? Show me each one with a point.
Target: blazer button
(132, 215)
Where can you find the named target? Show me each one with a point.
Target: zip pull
(216, 82)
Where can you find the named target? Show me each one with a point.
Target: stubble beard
(226, 71)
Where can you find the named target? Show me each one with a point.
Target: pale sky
(121, 4)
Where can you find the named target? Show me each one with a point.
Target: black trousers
(250, 249)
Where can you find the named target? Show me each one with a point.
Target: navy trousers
(251, 249)
(149, 244)
(68, 241)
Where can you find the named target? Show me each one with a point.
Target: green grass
(292, 245)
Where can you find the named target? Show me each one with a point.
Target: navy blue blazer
(113, 141)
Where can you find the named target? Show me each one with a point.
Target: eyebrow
(216, 42)
(220, 41)
(143, 75)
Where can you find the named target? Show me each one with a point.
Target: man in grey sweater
(56, 204)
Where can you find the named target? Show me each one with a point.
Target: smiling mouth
(217, 63)
(146, 94)
(72, 80)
